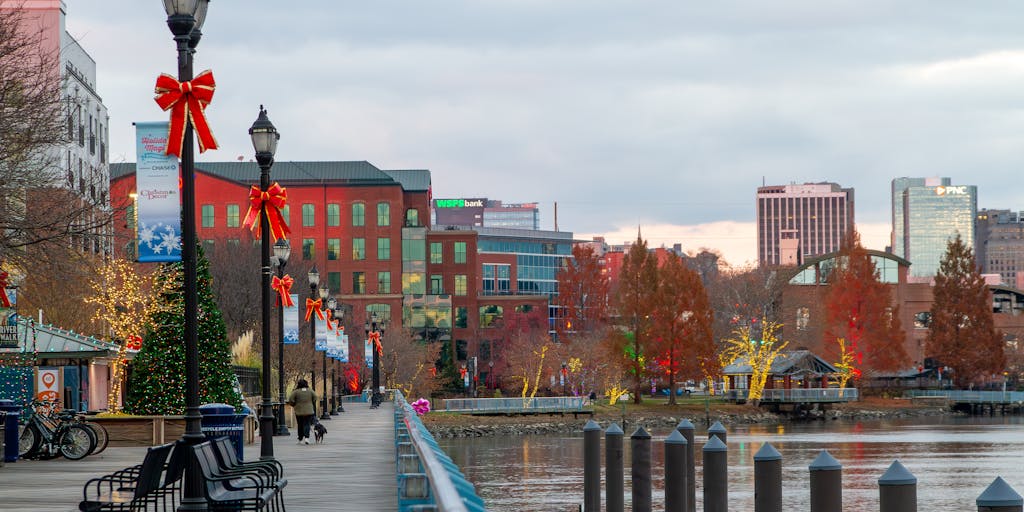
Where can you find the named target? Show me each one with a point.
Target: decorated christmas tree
(157, 384)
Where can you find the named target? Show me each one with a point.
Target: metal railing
(543, 404)
(427, 477)
(970, 397)
(801, 395)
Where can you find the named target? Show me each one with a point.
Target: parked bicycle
(46, 434)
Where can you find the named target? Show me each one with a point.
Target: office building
(483, 212)
(999, 245)
(927, 213)
(795, 222)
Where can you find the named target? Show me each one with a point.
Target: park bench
(235, 490)
(228, 461)
(132, 488)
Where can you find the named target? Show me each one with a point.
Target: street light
(185, 19)
(282, 250)
(332, 305)
(314, 282)
(264, 141)
(374, 326)
(324, 415)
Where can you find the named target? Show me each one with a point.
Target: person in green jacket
(302, 400)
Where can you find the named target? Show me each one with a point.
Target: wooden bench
(235, 490)
(131, 488)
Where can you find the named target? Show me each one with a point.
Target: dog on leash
(318, 432)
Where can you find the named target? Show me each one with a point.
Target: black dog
(318, 432)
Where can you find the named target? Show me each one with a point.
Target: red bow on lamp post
(283, 287)
(375, 338)
(273, 199)
(4, 301)
(187, 102)
(314, 306)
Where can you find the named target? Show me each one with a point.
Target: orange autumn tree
(858, 310)
(634, 294)
(582, 293)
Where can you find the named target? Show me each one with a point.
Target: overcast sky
(666, 114)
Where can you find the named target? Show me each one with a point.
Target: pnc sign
(959, 190)
(459, 203)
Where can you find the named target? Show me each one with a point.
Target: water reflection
(954, 460)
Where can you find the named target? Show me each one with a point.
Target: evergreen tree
(962, 334)
(157, 384)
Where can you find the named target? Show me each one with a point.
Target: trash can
(10, 434)
(220, 420)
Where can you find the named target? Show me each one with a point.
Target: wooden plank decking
(354, 470)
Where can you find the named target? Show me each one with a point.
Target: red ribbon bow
(283, 287)
(375, 338)
(4, 301)
(273, 199)
(314, 305)
(187, 102)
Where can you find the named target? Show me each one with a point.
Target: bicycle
(45, 436)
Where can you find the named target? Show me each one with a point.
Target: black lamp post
(282, 250)
(324, 413)
(314, 282)
(372, 325)
(264, 141)
(338, 314)
(185, 19)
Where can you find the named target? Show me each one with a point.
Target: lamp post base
(281, 429)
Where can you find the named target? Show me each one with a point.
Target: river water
(954, 460)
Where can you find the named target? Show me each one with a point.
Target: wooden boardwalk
(354, 470)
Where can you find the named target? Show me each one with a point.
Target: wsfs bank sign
(960, 190)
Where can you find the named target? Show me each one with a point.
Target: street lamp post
(282, 250)
(338, 313)
(314, 282)
(331, 304)
(264, 141)
(375, 326)
(185, 19)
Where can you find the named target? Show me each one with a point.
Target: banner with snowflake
(158, 198)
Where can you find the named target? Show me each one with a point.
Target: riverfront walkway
(354, 470)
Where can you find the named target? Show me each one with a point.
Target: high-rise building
(927, 213)
(999, 245)
(795, 222)
(482, 212)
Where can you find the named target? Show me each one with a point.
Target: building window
(358, 248)
(383, 311)
(460, 284)
(803, 318)
(358, 283)
(358, 214)
(232, 215)
(922, 320)
(334, 282)
(207, 215)
(412, 218)
(413, 283)
(436, 252)
(460, 252)
(461, 317)
(413, 250)
(436, 284)
(333, 248)
(286, 213)
(490, 315)
(383, 249)
(384, 282)
(308, 249)
(383, 214)
(308, 215)
(333, 215)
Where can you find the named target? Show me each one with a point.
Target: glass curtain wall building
(929, 216)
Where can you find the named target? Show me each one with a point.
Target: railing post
(768, 480)
(675, 472)
(686, 428)
(592, 467)
(897, 489)
(718, 430)
(1000, 497)
(614, 477)
(826, 483)
(716, 476)
(640, 443)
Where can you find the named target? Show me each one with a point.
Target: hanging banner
(48, 385)
(321, 334)
(158, 199)
(343, 350)
(333, 344)
(291, 322)
(368, 352)
(9, 319)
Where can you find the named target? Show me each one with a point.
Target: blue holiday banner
(291, 322)
(158, 199)
(343, 350)
(332, 344)
(321, 334)
(368, 352)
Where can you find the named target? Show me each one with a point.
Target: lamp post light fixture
(324, 413)
(264, 141)
(376, 326)
(282, 250)
(314, 282)
(185, 19)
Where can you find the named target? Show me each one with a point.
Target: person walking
(302, 401)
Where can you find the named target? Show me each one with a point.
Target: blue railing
(427, 477)
(970, 397)
(536, 405)
(801, 395)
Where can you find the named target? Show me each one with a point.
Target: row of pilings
(897, 487)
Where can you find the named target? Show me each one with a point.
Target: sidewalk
(354, 470)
